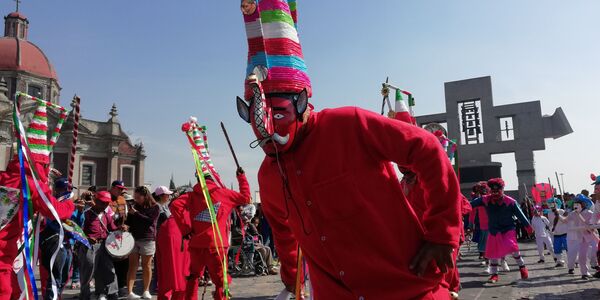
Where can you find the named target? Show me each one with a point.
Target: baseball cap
(119, 183)
(162, 190)
(62, 183)
(103, 196)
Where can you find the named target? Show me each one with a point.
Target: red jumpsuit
(192, 216)
(172, 261)
(413, 191)
(344, 205)
(12, 232)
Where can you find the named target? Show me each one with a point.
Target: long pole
(76, 115)
(230, 146)
(559, 186)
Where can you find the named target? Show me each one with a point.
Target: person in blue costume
(502, 237)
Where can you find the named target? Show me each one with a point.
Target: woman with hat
(580, 237)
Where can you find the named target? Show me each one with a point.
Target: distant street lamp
(562, 179)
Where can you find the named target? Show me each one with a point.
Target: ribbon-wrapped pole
(76, 116)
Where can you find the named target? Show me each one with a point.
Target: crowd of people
(563, 223)
(150, 219)
(336, 209)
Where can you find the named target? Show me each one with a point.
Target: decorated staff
(203, 214)
(26, 182)
(314, 158)
(76, 115)
(401, 111)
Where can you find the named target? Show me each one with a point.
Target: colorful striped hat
(273, 43)
(199, 140)
(37, 135)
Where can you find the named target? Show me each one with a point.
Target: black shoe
(586, 277)
(541, 261)
(597, 275)
(571, 271)
(555, 259)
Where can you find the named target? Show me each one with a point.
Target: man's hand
(441, 254)
(239, 171)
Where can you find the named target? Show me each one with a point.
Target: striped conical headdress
(37, 131)
(37, 135)
(273, 43)
(199, 140)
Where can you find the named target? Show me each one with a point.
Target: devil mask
(496, 186)
(276, 119)
(277, 85)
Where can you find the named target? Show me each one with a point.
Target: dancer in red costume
(172, 256)
(414, 193)
(502, 238)
(11, 178)
(328, 185)
(193, 218)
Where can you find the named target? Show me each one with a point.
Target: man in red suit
(208, 247)
(191, 213)
(11, 232)
(327, 183)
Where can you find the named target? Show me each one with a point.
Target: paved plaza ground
(545, 283)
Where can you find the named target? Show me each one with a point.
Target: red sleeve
(64, 209)
(465, 206)
(419, 151)
(243, 196)
(285, 242)
(180, 210)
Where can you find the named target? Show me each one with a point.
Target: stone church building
(104, 153)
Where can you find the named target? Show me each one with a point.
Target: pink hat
(104, 196)
(162, 190)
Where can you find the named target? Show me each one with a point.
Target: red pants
(172, 296)
(209, 258)
(9, 285)
(452, 277)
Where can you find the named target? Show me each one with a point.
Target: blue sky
(162, 61)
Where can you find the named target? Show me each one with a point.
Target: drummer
(96, 262)
(118, 210)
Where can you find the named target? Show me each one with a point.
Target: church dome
(21, 55)
(18, 54)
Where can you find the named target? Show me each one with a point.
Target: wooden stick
(230, 146)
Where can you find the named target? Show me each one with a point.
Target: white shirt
(539, 224)
(561, 227)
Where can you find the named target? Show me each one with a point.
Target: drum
(119, 244)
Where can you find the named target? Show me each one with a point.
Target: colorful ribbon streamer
(25, 156)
